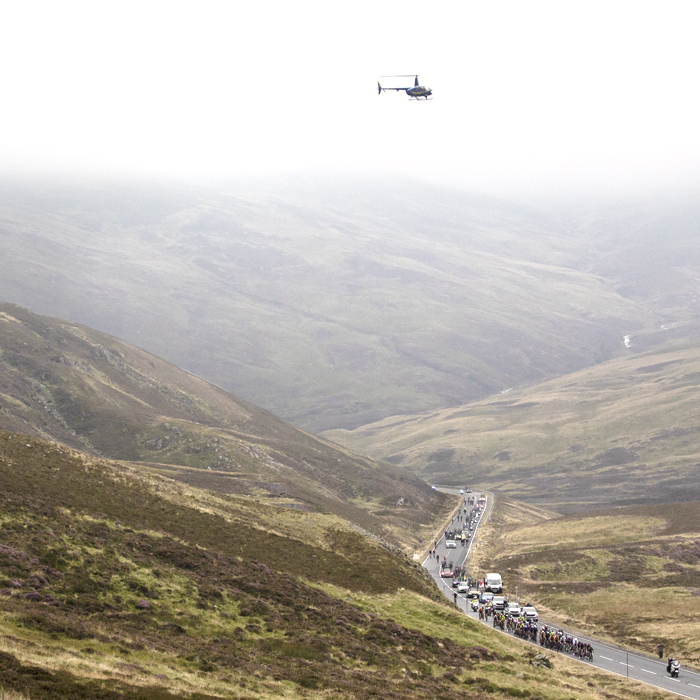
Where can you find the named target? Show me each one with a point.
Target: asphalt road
(605, 656)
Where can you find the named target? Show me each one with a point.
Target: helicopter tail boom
(381, 89)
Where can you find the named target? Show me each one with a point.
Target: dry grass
(598, 437)
(12, 695)
(562, 533)
(627, 575)
(516, 514)
(512, 669)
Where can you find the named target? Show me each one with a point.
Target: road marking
(694, 686)
(675, 679)
(645, 671)
(607, 658)
(624, 664)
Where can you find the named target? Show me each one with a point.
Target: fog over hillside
(370, 255)
(340, 304)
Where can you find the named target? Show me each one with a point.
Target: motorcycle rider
(673, 667)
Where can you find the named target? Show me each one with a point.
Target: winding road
(606, 656)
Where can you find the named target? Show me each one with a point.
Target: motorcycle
(673, 667)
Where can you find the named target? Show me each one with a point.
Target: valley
(343, 303)
(318, 383)
(161, 537)
(621, 433)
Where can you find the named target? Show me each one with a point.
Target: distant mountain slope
(650, 252)
(625, 432)
(332, 307)
(66, 382)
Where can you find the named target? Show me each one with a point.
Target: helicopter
(414, 93)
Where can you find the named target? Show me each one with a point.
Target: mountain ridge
(66, 382)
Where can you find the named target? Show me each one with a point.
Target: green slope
(621, 433)
(116, 584)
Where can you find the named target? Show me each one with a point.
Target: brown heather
(111, 586)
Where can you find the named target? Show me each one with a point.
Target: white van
(493, 583)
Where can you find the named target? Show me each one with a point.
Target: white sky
(526, 94)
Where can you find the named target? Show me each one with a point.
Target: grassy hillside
(331, 307)
(624, 432)
(117, 584)
(631, 575)
(66, 382)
